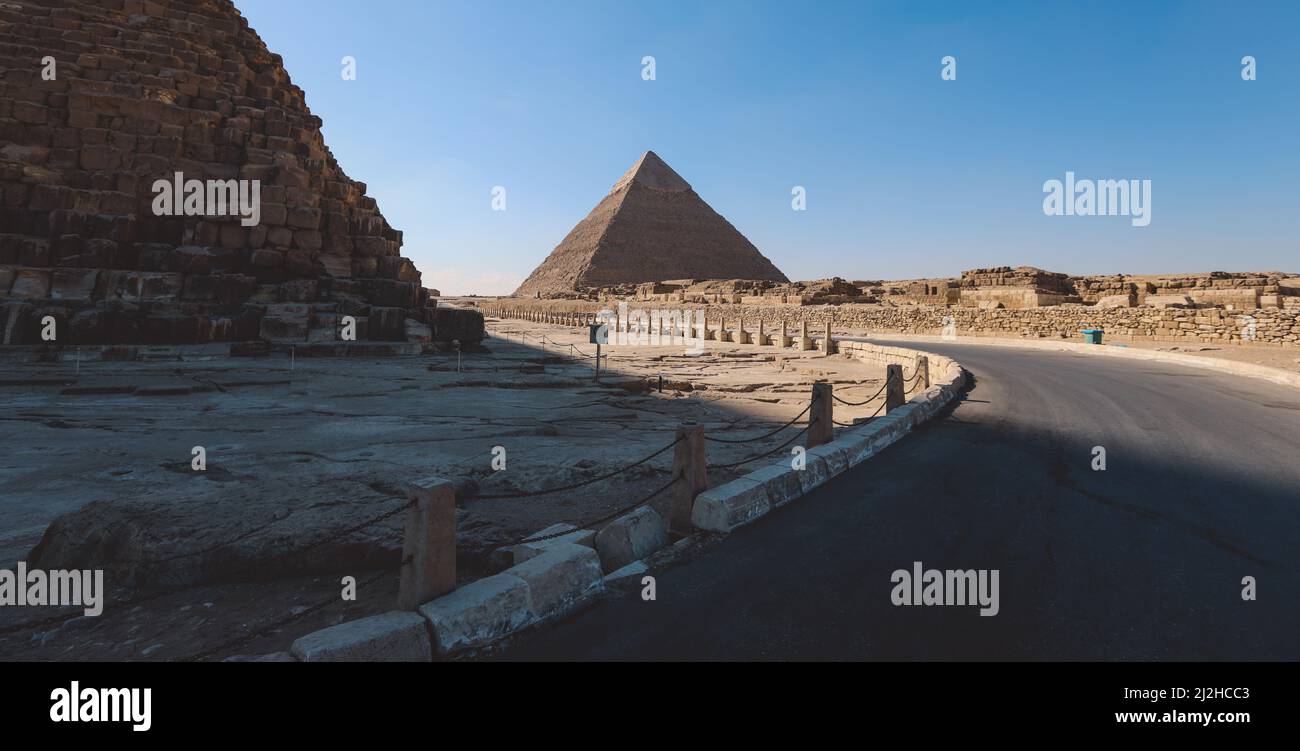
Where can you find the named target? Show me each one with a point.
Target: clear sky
(906, 175)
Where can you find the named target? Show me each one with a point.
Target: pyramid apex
(650, 227)
(652, 172)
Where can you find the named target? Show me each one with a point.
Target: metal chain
(765, 435)
(762, 455)
(593, 522)
(529, 494)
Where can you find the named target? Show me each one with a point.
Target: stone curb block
(781, 481)
(395, 636)
(560, 580)
(478, 613)
(631, 537)
(730, 505)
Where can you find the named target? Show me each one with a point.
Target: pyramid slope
(148, 91)
(652, 226)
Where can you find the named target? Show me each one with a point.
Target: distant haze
(906, 175)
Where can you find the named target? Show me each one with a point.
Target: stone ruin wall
(1000, 287)
(1272, 326)
(147, 88)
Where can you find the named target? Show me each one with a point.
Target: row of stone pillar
(559, 318)
(759, 337)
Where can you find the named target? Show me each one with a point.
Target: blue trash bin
(1092, 336)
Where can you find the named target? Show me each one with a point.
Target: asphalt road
(1144, 560)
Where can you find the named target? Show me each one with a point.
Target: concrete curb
(1249, 370)
(741, 501)
(561, 579)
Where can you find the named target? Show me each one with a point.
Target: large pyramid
(98, 101)
(652, 226)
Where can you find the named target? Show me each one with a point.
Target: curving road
(1144, 560)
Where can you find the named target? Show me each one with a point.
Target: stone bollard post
(821, 426)
(923, 367)
(894, 397)
(430, 544)
(690, 467)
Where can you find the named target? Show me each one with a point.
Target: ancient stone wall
(1271, 326)
(101, 98)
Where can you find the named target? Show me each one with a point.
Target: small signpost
(597, 334)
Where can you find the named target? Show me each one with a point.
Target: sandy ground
(295, 447)
(1283, 358)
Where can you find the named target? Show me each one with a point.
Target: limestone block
(387, 324)
(73, 284)
(631, 537)
(30, 284)
(834, 456)
(1169, 301)
(478, 613)
(781, 481)
(465, 326)
(511, 555)
(417, 332)
(561, 579)
(286, 322)
(1115, 301)
(730, 505)
(390, 637)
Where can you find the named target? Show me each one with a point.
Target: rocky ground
(96, 470)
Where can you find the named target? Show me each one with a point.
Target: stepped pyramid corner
(650, 227)
(148, 92)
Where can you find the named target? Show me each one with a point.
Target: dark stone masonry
(101, 98)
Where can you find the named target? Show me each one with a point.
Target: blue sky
(906, 175)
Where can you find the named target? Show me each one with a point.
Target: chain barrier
(161, 592)
(866, 401)
(280, 623)
(762, 455)
(765, 435)
(601, 520)
(606, 476)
